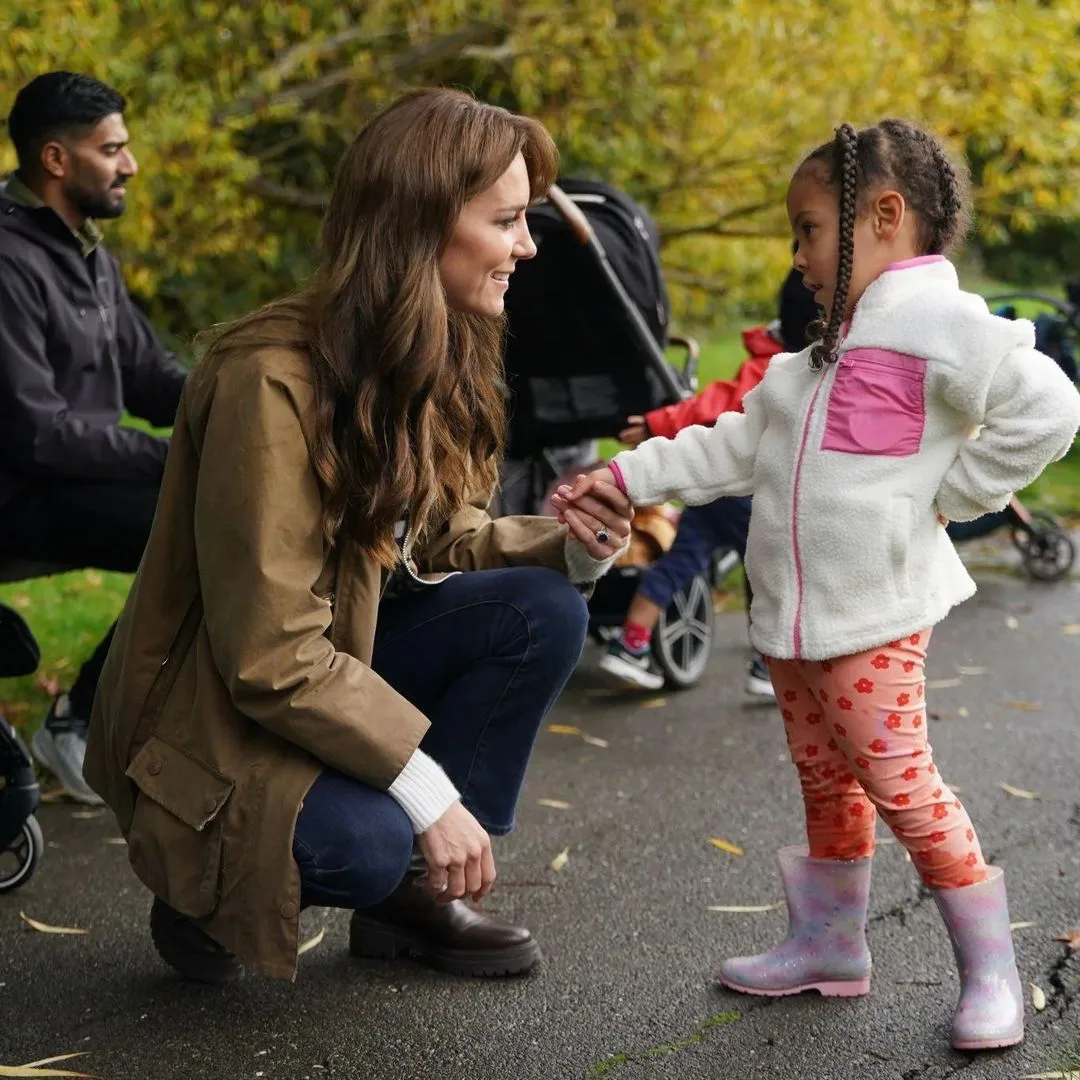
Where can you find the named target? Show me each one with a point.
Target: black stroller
(21, 842)
(588, 329)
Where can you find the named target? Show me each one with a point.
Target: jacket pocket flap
(188, 789)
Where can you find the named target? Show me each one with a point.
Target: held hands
(596, 512)
(457, 850)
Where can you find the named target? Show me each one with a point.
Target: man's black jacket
(74, 353)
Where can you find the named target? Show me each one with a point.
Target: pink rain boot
(825, 948)
(991, 1008)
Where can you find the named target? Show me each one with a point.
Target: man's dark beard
(93, 205)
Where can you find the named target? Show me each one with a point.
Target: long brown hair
(409, 394)
(896, 154)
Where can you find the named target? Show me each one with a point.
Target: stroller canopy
(576, 361)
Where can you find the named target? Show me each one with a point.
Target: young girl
(916, 406)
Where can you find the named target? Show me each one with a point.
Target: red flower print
(862, 762)
(823, 694)
(911, 773)
(965, 882)
(972, 859)
(879, 746)
(813, 718)
(847, 778)
(931, 769)
(903, 699)
(845, 704)
(917, 753)
(938, 838)
(831, 744)
(894, 644)
(826, 665)
(827, 772)
(892, 721)
(917, 722)
(901, 799)
(914, 639)
(791, 695)
(865, 686)
(957, 805)
(838, 821)
(970, 835)
(856, 809)
(940, 811)
(812, 751)
(909, 666)
(919, 690)
(789, 716)
(840, 730)
(881, 662)
(937, 794)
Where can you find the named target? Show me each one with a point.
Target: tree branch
(288, 196)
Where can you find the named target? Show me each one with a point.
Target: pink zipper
(797, 631)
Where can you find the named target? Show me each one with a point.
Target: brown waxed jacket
(240, 663)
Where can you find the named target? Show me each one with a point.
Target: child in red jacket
(703, 529)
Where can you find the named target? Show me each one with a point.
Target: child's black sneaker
(637, 669)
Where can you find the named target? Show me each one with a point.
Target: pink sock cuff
(620, 482)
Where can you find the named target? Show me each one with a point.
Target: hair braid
(846, 148)
(952, 200)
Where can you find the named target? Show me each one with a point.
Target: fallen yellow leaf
(1024, 706)
(92, 577)
(1019, 793)
(1072, 629)
(45, 928)
(28, 1070)
(1071, 938)
(745, 909)
(971, 671)
(1073, 1074)
(87, 815)
(592, 740)
(726, 845)
(21, 600)
(1012, 622)
(555, 804)
(311, 942)
(943, 684)
(1038, 998)
(561, 859)
(654, 703)
(563, 729)
(601, 691)
(1021, 925)
(115, 840)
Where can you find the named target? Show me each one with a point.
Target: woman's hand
(597, 513)
(457, 850)
(635, 432)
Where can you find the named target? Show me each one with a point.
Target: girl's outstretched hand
(597, 513)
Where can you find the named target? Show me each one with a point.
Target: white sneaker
(60, 746)
(758, 683)
(637, 669)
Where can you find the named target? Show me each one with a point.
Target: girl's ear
(889, 211)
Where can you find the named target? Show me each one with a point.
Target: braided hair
(891, 154)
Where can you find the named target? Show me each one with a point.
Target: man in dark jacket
(75, 353)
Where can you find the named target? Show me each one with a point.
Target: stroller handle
(571, 214)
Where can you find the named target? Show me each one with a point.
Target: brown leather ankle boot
(451, 937)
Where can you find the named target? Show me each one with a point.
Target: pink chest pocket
(877, 404)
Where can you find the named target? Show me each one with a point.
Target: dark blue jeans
(484, 656)
(702, 529)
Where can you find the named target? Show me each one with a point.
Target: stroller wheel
(682, 641)
(19, 860)
(1049, 555)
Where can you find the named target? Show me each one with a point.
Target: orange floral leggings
(856, 728)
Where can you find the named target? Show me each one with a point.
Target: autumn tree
(700, 109)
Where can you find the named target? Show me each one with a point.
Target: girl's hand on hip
(457, 850)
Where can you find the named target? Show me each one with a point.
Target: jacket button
(154, 767)
(82, 312)
(289, 910)
(209, 804)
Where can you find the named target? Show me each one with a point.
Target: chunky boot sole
(849, 988)
(988, 1044)
(376, 941)
(177, 950)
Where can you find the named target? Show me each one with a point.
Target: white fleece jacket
(935, 405)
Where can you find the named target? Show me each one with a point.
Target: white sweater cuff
(423, 791)
(581, 567)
